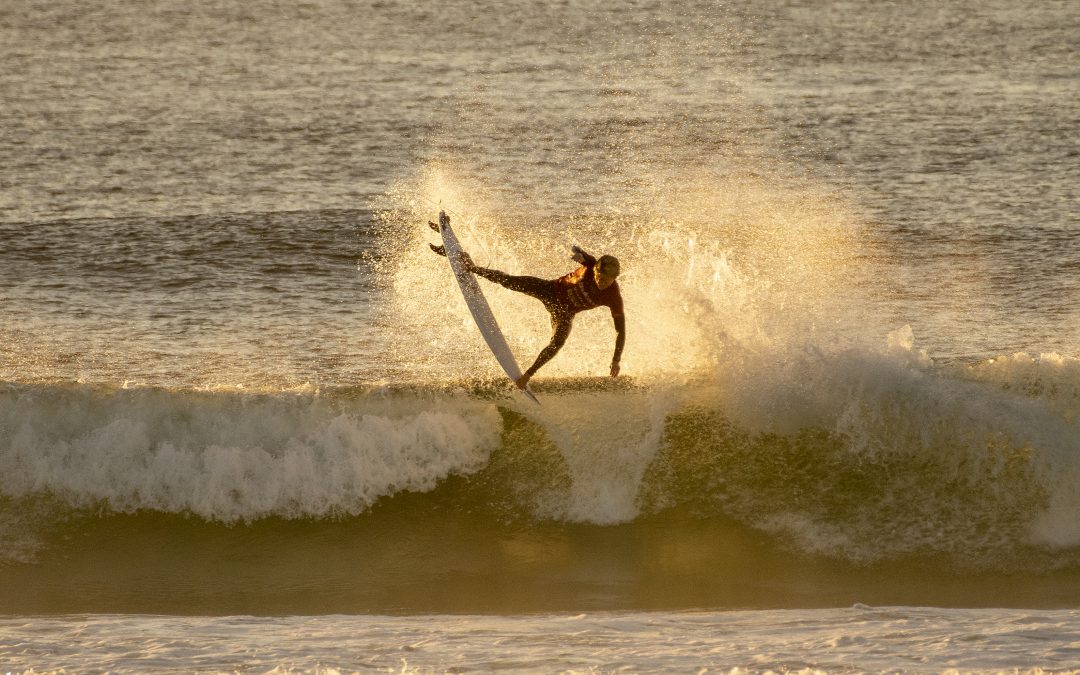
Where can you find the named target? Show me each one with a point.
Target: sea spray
(717, 263)
(876, 454)
(605, 461)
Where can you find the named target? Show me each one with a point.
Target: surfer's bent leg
(562, 325)
(534, 286)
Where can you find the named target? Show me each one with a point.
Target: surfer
(591, 285)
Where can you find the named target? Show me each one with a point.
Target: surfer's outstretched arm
(580, 256)
(620, 341)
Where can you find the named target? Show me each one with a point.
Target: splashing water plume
(747, 292)
(717, 274)
(707, 268)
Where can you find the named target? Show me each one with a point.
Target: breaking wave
(863, 455)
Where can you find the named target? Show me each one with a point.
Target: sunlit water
(235, 381)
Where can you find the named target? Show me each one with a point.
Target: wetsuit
(563, 298)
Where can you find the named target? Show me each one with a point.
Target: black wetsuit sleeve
(620, 337)
(582, 257)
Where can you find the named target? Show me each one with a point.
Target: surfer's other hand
(441, 250)
(467, 262)
(614, 368)
(523, 381)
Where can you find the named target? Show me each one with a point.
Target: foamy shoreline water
(855, 640)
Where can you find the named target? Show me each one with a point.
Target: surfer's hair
(608, 266)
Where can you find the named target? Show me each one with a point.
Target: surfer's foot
(466, 261)
(523, 381)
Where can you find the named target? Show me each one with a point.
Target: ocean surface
(247, 424)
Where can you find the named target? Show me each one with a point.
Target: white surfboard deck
(479, 307)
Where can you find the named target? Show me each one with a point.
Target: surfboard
(478, 306)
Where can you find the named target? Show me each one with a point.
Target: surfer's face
(602, 280)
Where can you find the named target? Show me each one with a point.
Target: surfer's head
(606, 271)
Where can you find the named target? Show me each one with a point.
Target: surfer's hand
(614, 368)
(441, 250)
(523, 381)
(466, 262)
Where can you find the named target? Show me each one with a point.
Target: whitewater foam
(232, 457)
(859, 453)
